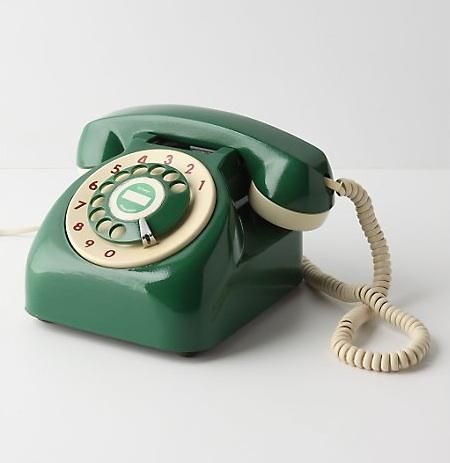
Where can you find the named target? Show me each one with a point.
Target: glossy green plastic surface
(286, 169)
(236, 268)
(189, 302)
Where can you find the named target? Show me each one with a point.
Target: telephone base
(186, 303)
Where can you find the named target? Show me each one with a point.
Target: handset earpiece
(282, 216)
(287, 188)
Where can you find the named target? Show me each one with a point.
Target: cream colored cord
(373, 297)
(17, 231)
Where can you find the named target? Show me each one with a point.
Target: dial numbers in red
(116, 169)
(93, 185)
(80, 204)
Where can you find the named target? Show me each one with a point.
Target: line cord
(372, 299)
(17, 231)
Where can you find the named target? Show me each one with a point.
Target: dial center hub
(136, 198)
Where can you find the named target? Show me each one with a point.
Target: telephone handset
(188, 224)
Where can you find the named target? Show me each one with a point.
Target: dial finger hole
(104, 225)
(106, 187)
(178, 188)
(117, 232)
(170, 177)
(98, 201)
(157, 171)
(97, 214)
(140, 170)
(121, 176)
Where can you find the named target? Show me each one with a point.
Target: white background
(368, 82)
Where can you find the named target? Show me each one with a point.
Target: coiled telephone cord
(373, 298)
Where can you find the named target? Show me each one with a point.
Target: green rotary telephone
(188, 224)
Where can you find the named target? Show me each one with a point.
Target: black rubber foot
(187, 354)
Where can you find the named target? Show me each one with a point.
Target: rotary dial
(140, 203)
(140, 208)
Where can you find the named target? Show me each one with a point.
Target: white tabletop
(272, 392)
